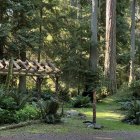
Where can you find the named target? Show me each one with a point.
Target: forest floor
(108, 115)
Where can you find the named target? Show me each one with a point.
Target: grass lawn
(108, 115)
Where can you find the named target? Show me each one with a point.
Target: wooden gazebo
(29, 68)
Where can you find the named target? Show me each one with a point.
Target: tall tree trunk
(2, 39)
(93, 48)
(110, 50)
(39, 79)
(94, 52)
(79, 43)
(2, 42)
(132, 50)
(22, 79)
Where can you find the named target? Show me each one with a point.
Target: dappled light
(69, 69)
(107, 115)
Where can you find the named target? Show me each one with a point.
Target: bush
(132, 111)
(7, 110)
(8, 103)
(124, 93)
(19, 98)
(81, 101)
(102, 92)
(7, 116)
(29, 112)
(64, 95)
(135, 88)
(48, 110)
(13, 108)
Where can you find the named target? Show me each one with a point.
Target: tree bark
(22, 79)
(93, 48)
(132, 48)
(2, 41)
(110, 50)
(93, 59)
(39, 79)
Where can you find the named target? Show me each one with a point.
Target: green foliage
(20, 98)
(7, 116)
(132, 111)
(135, 88)
(124, 93)
(130, 103)
(102, 92)
(48, 110)
(29, 112)
(7, 108)
(81, 101)
(7, 103)
(64, 95)
(14, 107)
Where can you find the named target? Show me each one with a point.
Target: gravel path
(99, 135)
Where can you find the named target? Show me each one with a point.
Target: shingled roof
(29, 68)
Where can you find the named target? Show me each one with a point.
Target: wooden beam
(28, 68)
(16, 65)
(31, 65)
(38, 65)
(1, 65)
(22, 64)
(5, 63)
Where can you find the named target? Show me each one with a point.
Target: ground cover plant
(108, 115)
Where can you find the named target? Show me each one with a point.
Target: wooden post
(94, 107)
(38, 85)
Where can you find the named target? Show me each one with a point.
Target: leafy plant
(11, 105)
(7, 116)
(135, 88)
(29, 112)
(48, 110)
(81, 101)
(132, 111)
(102, 92)
(20, 98)
(8, 103)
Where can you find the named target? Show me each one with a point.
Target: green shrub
(19, 98)
(29, 112)
(102, 92)
(64, 95)
(48, 110)
(8, 103)
(124, 93)
(132, 111)
(7, 110)
(81, 101)
(7, 116)
(135, 88)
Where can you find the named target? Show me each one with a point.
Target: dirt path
(77, 136)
